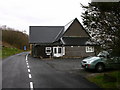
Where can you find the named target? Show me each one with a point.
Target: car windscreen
(103, 54)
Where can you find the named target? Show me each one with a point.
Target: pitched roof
(44, 34)
(51, 34)
(68, 25)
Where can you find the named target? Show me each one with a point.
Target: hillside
(12, 42)
(13, 38)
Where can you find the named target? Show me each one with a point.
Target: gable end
(76, 30)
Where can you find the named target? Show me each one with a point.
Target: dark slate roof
(74, 41)
(51, 34)
(45, 34)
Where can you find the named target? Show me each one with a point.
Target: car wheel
(99, 67)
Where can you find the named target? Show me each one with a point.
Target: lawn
(107, 80)
(6, 51)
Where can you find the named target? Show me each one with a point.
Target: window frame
(89, 49)
(60, 50)
(56, 50)
(48, 48)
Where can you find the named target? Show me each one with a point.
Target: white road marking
(28, 66)
(28, 70)
(30, 76)
(27, 57)
(27, 63)
(31, 85)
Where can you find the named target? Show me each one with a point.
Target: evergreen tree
(102, 20)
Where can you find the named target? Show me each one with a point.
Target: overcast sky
(20, 14)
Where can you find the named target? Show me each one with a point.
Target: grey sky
(105, 0)
(20, 14)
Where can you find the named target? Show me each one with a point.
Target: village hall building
(69, 41)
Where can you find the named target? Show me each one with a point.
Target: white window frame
(48, 48)
(57, 54)
(57, 50)
(60, 50)
(63, 50)
(89, 49)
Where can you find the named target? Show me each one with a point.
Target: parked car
(100, 62)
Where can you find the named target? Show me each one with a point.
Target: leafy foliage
(15, 38)
(102, 20)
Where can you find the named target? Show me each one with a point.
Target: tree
(102, 21)
(15, 38)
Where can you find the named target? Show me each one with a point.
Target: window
(55, 50)
(89, 49)
(48, 50)
(59, 50)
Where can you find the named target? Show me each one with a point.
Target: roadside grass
(107, 80)
(0, 52)
(7, 51)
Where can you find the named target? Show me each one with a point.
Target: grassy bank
(0, 52)
(7, 51)
(107, 80)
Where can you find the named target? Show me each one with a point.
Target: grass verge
(0, 52)
(7, 51)
(107, 80)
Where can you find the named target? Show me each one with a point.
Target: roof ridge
(64, 30)
(56, 38)
(68, 24)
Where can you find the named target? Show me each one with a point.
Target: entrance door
(58, 51)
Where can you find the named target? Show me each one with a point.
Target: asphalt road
(23, 71)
